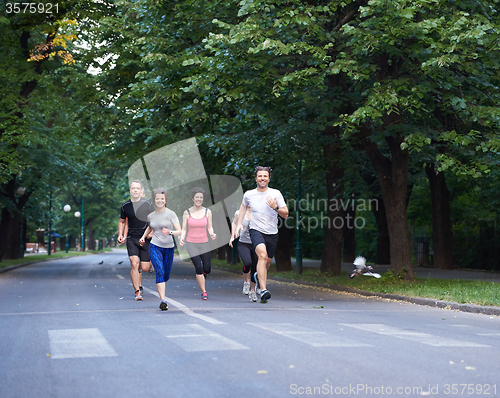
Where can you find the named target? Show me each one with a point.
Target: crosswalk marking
(424, 338)
(195, 338)
(79, 343)
(187, 310)
(308, 336)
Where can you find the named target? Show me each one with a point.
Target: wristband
(277, 208)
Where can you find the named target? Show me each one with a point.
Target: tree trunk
(383, 255)
(10, 224)
(393, 179)
(349, 234)
(332, 249)
(284, 247)
(442, 238)
(90, 236)
(221, 253)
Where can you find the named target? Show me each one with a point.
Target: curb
(428, 302)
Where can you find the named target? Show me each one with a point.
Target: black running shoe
(265, 295)
(163, 305)
(141, 289)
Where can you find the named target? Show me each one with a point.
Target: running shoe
(141, 289)
(163, 305)
(265, 295)
(253, 296)
(151, 269)
(204, 296)
(138, 295)
(246, 287)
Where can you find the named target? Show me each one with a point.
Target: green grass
(41, 257)
(455, 290)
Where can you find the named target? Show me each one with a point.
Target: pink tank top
(197, 229)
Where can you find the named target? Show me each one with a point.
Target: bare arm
(210, 227)
(282, 211)
(243, 210)
(146, 233)
(121, 230)
(234, 224)
(185, 217)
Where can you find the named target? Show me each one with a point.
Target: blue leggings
(162, 259)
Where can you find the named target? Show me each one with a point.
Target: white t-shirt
(264, 218)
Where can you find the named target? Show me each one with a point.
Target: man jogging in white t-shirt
(265, 206)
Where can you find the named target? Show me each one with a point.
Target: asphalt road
(71, 328)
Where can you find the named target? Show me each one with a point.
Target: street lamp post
(83, 233)
(77, 214)
(67, 208)
(50, 225)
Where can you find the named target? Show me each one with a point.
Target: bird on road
(101, 262)
(360, 268)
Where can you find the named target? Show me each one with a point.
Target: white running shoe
(253, 296)
(246, 287)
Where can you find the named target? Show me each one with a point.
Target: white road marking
(424, 338)
(488, 334)
(120, 277)
(309, 336)
(195, 338)
(79, 343)
(185, 309)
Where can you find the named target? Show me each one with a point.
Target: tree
(39, 135)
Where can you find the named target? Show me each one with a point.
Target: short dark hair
(159, 191)
(196, 190)
(262, 168)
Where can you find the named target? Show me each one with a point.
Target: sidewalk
(422, 272)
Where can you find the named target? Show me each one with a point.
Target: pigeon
(101, 262)
(362, 269)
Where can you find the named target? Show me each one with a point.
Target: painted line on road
(120, 277)
(185, 309)
(196, 338)
(79, 343)
(488, 334)
(308, 336)
(424, 338)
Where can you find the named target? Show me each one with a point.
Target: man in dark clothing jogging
(135, 212)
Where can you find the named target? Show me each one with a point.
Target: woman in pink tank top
(197, 223)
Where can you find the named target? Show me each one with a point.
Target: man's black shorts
(135, 249)
(271, 241)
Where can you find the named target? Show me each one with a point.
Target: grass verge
(41, 257)
(454, 290)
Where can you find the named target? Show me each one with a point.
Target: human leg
(262, 266)
(197, 262)
(245, 251)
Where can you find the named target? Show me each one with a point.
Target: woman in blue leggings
(164, 224)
